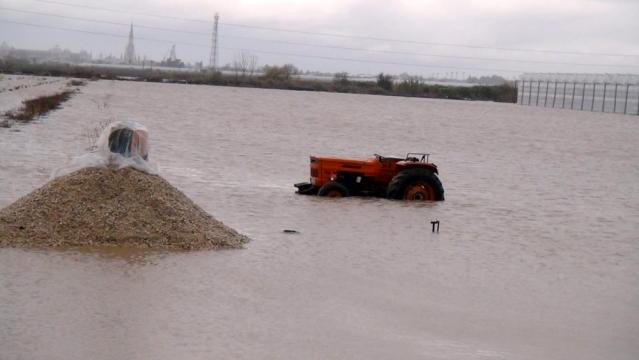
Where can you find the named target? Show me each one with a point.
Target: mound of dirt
(102, 206)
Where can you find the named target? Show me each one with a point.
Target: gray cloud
(585, 26)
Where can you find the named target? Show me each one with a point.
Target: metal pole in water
(436, 222)
(554, 95)
(546, 97)
(572, 101)
(594, 89)
(583, 95)
(538, 88)
(563, 99)
(603, 103)
(625, 104)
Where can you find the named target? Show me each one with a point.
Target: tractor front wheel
(415, 184)
(333, 189)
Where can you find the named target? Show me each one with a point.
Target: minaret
(129, 53)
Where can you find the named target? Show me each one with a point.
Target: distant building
(55, 54)
(129, 53)
(614, 93)
(172, 60)
(5, 49)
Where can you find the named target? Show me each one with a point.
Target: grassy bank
(274, 77)
(34, 108)
(37, 107)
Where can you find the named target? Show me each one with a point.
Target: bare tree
(252, 65)
(341, 78)
(244, 64)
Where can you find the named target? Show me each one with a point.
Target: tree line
(246, 74)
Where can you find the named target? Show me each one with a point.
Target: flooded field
(537, 255)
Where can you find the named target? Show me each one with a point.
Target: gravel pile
(102, 206)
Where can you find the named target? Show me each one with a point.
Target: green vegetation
(278, 74)
(499, 93)
(385, 82)
(275, 77)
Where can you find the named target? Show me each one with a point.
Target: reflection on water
(537, 254)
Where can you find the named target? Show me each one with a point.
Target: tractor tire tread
(399, 183)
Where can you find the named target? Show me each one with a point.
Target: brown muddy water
(537, 255)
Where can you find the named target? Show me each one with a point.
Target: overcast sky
(468, 33)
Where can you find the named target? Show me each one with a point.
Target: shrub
(411, 86)
(385, 81)
(279, 74)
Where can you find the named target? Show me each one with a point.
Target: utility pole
(213, 56)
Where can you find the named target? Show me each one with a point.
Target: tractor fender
(402, 165)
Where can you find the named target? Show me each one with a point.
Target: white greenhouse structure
(613, 93)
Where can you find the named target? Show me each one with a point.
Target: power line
(102, 21)
(361, 37)
(390, 52)
(483, 47)
(267, 51)
(393, 52)
(428, 66)
(99, 33)
(120, 12)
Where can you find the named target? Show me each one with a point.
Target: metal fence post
(524, 87)
(625, 104)
(614, 109)
(603, 102)
(546, 97)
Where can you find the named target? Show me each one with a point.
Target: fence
(601, 93)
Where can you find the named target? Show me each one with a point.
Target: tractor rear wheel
(415, 184)
(333, 189)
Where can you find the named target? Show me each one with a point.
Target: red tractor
(410, 178)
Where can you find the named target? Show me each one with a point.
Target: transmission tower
(213, 57)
